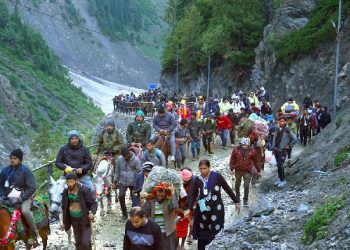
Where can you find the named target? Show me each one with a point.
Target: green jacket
(294, 128)
(113, 141)
(138, 132)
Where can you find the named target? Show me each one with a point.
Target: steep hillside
(38, 103)
(296, 55)
(87, 51)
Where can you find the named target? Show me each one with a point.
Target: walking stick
(93, 234)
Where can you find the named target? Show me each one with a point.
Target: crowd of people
(167, 215)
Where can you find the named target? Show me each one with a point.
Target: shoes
(282, 184)
(172, 158)
(245, 203)
(194, 158)
(211, 153)
(277, 182)
(254, 185)
(197, 157)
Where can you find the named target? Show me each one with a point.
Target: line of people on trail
(161, 217)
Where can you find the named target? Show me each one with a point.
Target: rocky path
(254, 228)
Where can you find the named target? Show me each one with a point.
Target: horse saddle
(40, 213)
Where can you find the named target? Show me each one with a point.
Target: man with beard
(109, 140)
(17, 175)
(79, 208)
(138, 131)
(75, 157)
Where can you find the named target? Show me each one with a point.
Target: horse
(5, 222)
(56, 190)
(163, 143)
(102, 179)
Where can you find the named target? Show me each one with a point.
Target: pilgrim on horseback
(75, 157)
(138, 132)
(79, 208)
(17, 186)
(165, 125)
(109, 142)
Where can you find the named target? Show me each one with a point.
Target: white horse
(102, 179)
(56, 190)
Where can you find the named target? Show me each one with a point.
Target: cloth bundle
(260, 127)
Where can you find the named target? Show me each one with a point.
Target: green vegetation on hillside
(316, 227)
(133, 21)
(49, 104)
(227, 30)
(318, 30)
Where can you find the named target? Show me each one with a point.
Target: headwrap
(245, 141)
(140, 112)
(17, 153)
(71, 176)
(110, 122)
(186, 175)
(72, 134)
(147, 166)
(164, 186)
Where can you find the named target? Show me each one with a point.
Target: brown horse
(163, 143)
(5, 220)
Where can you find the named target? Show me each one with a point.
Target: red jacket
(245, 164)
(223, 122)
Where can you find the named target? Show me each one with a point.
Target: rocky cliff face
(314, 73)
(89, 52)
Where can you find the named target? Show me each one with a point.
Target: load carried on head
(164, 178)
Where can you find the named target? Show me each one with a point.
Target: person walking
(79, 207)
(208, 129)
(141, 232)
(283, 137)
(243, 160)
(304, 127)
(195, 128)
(209, 214)
(128, 165)
(223, 127)
(182, 136)
(140, 180)
(160, 207)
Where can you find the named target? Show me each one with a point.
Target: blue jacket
(21, 177)
(167, 122)
(140, 179)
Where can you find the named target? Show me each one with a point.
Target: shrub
(316, 227)
(341, 156)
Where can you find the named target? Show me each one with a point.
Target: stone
(274, 238)
(302, 208)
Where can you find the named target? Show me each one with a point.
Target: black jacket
(76, 157)
(22, 177)
(87, 200)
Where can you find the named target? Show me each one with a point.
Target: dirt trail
(109, 229)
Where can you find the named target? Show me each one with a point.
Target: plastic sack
(162, 175)
(270, 158)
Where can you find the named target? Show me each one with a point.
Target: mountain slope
(38, 103)
(88, 51)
